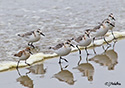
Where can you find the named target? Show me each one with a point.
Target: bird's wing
(58, 46)
(19, 54)
(78, 39)
(27, 34)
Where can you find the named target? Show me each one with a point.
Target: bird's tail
(18, 35)
(50, 48)
(15, 55)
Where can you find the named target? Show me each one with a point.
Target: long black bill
(113, 18)
(72, 45)
(112, 24)
(30, 52)
(42, 34)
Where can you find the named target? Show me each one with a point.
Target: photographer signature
(112, 83)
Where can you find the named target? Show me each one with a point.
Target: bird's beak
(30, 52)
(112, 24)
(113, 18)
(42, 34)
(72, 45)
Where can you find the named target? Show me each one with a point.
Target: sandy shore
(95, 73)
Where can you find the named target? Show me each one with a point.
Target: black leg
(94, 46)
(107, 42)
(86, 51)
(32, 45)
(78, 49)
(27, 63)
(93, 42)
(62, 59)
(17, 64)
(61, 66)
(113, 35)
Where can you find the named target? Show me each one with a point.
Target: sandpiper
(112, 20)
(102, 30)
(32, 36)
(83, 41)
(62, 49)
(23, 55)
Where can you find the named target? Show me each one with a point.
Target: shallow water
(49, 73)
(58, 19)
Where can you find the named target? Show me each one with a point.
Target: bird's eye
(110, 16)
(107, 22)
(67, 42)
(37, 31)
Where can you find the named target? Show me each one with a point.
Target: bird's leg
(86, 51)
(32, 45)
(94, 46)
(78, 49)
(62, 59)
(61, 66)
(17, 64)
(113, 35)
(107, 42)
(93, 42)
(27, 63)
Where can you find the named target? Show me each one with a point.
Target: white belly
(24, 57)
(33, 39)
(101, 32)
(85, 43)
(63, 51)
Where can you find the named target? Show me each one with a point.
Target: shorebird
(62, 49)
(112, 20)
(32, 36)
(23, 55)
(101, 30)
(83, 41)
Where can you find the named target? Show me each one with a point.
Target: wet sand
(98, 72)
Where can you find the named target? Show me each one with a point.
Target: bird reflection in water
(108, 58)
(38, 69)
(64, 76)
(25, 80)
(86, 69)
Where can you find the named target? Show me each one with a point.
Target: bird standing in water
(62, 49)
(23, 55)
(32, 36)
